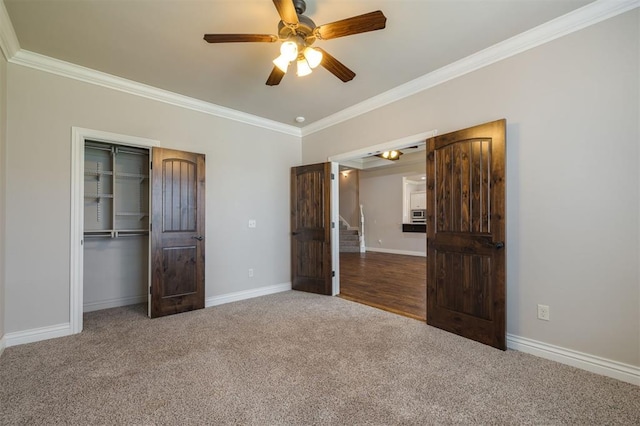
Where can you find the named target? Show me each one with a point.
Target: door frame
(76, 266)
(344, 159)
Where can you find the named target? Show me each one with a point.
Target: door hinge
(150, 290)
(333, 225)
(150, 165)
(150, 227)
(333, 177)
(333, 273)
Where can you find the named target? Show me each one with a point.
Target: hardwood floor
(392, 282)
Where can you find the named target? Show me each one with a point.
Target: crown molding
(576, 20)
(87, 75)
(588, 15)
(8, 39)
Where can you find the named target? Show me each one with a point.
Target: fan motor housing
(304, 29)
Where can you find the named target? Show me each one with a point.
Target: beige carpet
(293, 358)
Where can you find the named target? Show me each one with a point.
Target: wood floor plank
(393, 282)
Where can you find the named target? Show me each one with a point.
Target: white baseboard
(606, 367)
(61, 330)
(246, 294)
(393, 251)
(38, 334)
(113, 303)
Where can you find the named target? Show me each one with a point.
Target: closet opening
(116, 244)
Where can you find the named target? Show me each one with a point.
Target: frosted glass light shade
(303, 68)
(313, 56)
(289, 50)
(282, 63)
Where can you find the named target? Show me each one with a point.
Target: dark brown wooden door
(311, 228)
(466, 233)
(177, 233)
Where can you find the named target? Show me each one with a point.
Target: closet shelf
(95, 172)
(113, 233)
(97, 231)
(98, 195)
(131, 175)
(139, 215)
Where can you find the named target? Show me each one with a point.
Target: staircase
(349, 239)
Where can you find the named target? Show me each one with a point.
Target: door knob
(199, 238)
(499, 245)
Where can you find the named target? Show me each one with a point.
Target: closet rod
(102, 148)
(117, 235)
(127, 151)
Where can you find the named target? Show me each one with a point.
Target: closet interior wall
(116, 226)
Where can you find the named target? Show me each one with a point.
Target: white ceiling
(160, 43)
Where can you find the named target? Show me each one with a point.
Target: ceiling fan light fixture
(303, 68)
(390, 155)
(289, 50)
(313, 56)
(282, 63)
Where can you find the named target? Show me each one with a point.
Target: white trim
(404, 142)
(3, 344)
(8, 39)
(114, 303)
(606, 367)
(246, 294)
(38, 334)
(576, 20)
(78, 137)
(393, 251)
(335, 231)
(87, 75)
(61, 330)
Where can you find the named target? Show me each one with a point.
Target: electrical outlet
(543, 312)
(252, 223)
(250, 272)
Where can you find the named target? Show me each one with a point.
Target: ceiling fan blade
(275, 77)
(355, 25)
(287, 11)
(336, 67)
(240, 38)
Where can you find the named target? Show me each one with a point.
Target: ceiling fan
(298, 32)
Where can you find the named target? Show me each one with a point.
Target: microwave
(419, 216)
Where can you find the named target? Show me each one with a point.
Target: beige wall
(247, 178)
(381, 198)
(572, 178)
(3, 143)
(349, 203)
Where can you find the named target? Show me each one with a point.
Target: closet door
(177, 232)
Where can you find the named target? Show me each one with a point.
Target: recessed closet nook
(116, 225)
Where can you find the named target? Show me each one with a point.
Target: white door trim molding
(78, 137)
(335, 231)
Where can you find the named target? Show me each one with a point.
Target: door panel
(177, 235)
(311, 228)
(466, 233)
